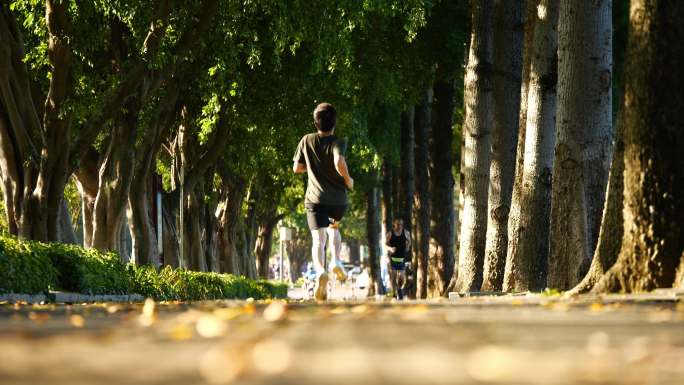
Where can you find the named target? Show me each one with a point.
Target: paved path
(503, 340)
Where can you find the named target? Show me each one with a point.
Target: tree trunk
(397, 188)
(263, 245)
(65, 229)
(140, 223)
(373, 234)
(251, 225)
(442, 231)
(610, 237)
(528, 51)
(582, 136)
(171, 249)
(508, 40)
(229, 213)
(407, 168)
(422, 128)
(387, 193)
(86, 182)
(528, 243)
(477, 130)
(114, 181)
(194, 247)
(354, 254)
(653, 236)
(34, 182)
(142, 198)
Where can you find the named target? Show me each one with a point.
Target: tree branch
(128, 86)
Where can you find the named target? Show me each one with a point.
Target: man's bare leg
(394, 281)
(318, 257)
(401, 281)
(336, 243)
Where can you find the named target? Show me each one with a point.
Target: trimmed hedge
(33, 267)
(23, 269)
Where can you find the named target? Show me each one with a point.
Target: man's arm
(388, 236)
(341, 167)
(298, 168)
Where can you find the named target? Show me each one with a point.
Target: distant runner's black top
(399, 244)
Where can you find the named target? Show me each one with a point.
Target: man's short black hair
(325, 117)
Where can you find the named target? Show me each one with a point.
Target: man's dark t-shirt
(325, 185)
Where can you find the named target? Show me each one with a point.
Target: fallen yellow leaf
(181, 332)
(209, 326)
(276, 311)
(77, 320)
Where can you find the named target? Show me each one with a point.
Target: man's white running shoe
(340, 274)
(321, 290)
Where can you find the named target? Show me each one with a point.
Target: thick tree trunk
(528, 51)
(65, 229)
(263, 245)
(142, 198)
(508, 40)
(170, 235)
(34, 182)
(422, 128)
(86, 182)
(514, 213)
(140, 223)
(653, 236)
(373, 234)
(442, 230)
(194, 226)
(114, 181)
(229, 214)
(582, 137)
(477, 131)
(528, 242)
(210, 238)
(610, 237)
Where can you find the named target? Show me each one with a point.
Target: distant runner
(321, 156)
(398, 242)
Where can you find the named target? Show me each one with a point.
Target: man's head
(325, 117)
(398, 224)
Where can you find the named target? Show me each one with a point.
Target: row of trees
(211, 97)
(539, 151)
(553, 194)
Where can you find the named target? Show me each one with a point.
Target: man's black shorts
(319, 216)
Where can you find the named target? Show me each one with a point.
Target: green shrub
(23, 269)
(87, 271)
(32, 267)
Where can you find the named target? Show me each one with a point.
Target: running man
(321, 156)
(398, 242)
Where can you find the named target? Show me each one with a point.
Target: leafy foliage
(24, 269)
(34, 267)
